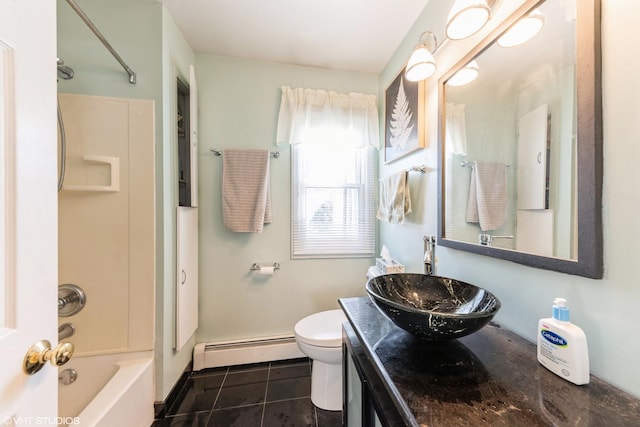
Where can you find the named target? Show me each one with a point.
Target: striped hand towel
(487, 203)
(246, 198)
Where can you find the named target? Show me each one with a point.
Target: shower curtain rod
(85, 18)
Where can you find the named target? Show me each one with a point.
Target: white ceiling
(355, 35)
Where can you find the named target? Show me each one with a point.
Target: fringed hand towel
(246, 198)
(395, 198)
(487, 203)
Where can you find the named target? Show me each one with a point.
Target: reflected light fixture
(465, 75)
(466, 18)
(523, 30)
(421, 63)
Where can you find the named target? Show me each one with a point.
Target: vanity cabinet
(354, 393)
(363, 395)
(491, 377)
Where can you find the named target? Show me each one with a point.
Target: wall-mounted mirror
(520, 147)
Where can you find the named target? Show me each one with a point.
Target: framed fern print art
(403, 118)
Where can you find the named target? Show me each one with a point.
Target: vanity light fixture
(523, 30)
(466, 18)
(465, 75)
(421, 63)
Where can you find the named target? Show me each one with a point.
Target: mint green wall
(133, 28)
(239, 102)
(608, 310)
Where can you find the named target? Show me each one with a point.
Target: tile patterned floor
(272, 394)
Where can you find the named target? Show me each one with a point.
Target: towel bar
(422, 169)
(274, 154)
(465, 164)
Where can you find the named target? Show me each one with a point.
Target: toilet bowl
(319, 336)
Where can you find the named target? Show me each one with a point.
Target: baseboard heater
(213, 355)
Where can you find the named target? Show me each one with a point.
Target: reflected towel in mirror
(487, 203)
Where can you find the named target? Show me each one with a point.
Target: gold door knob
(41, 352)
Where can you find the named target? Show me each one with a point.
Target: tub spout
(66, 330)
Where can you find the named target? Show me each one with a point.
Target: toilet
(319, 336)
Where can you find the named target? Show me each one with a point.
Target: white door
(187, 280)
(532, 159)
(28, 206)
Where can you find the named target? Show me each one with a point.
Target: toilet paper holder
(256, 267)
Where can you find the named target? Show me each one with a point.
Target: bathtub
(110, 390)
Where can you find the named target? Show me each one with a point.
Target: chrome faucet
(429, 257)
(487, 239)
(71, 299)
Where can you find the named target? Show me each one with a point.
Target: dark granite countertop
(491, 377)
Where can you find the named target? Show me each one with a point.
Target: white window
(332, 201)
(333, 160)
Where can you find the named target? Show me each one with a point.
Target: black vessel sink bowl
(431, 307)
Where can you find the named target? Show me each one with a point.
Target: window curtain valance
(309, 114)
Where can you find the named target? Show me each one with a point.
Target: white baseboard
(213, 355)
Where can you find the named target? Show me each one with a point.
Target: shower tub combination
(106, 222)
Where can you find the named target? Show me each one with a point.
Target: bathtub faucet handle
(71, 299)
(41, 352)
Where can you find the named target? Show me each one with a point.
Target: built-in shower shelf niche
(114, 175)
(107, 238)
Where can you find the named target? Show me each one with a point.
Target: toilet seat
(323, 329)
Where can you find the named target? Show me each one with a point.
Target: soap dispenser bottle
(562, 346)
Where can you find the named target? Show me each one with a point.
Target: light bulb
(466, 18)
(523, 30)
(465, 75)
(421, 64)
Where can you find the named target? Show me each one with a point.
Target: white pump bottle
(562, 346)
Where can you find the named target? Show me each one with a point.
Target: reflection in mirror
(519, 119)
(511, 140)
